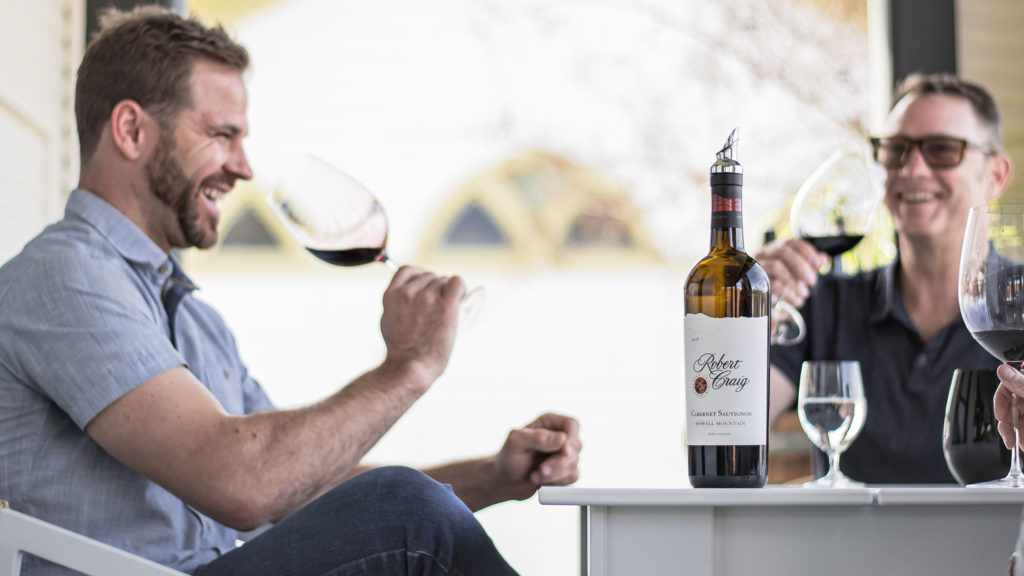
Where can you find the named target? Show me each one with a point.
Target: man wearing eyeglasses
(942, 151)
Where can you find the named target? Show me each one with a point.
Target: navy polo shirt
(906, 381)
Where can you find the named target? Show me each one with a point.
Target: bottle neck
(726, 211)
(726, 238)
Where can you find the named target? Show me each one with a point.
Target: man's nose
(238, 164)
(913, 161)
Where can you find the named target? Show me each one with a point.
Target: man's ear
(130, 127)
(1000, 171)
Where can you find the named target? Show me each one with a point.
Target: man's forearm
(310, 450)
(244, 471)
(475, 482)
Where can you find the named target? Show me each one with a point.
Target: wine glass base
(837, 481)
(1008, 482)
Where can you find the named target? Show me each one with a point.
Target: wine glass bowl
(991, 294)
(836, 206)
(338, 219)
(971, 444)
(330, 213)
(832, 410)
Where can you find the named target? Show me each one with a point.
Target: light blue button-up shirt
(81, 324)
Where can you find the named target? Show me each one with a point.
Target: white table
(874, 531)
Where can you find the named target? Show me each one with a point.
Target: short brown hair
(981, 100)
(145, 55)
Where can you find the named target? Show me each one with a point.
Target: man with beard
(125, 411)
(942, 152)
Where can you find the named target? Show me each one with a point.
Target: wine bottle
(726, 326)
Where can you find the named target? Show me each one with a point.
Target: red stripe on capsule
(720, 204)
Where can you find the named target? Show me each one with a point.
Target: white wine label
(726, 380)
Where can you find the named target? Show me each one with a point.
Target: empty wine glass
(338, 219)
(836, 206)
(991, 289)
(832, 409)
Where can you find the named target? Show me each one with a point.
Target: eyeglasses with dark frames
(938, 151)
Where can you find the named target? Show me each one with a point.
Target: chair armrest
(20, 533)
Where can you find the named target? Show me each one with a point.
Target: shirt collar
(889, 298)
(121, 232)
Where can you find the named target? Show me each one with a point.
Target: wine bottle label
(726, 380)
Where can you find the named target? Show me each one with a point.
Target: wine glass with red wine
(991, 288)
(971, 444)
(338, 219)
(836, 206)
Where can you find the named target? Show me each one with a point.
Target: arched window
(536, 209)
(474, 226)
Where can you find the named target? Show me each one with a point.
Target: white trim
(879, 62)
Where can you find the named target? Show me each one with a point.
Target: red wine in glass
(348, 257)
(1006, 345)
(834, 245)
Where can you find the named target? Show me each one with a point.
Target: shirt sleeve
(84, 332)
(256, 399)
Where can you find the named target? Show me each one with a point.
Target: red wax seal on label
(700, 385)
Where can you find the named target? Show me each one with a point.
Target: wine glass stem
(833, 465)
(837, 265)
(387, 261)
(1015, 454)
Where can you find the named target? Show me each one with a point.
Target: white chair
(20, 533)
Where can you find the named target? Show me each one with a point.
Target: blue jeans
(385, 521)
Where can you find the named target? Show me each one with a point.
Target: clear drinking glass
(338, 219)
(832, 410)
(991, 289)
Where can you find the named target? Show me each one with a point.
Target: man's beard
(169, 183)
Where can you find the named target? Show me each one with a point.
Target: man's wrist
(413, 374)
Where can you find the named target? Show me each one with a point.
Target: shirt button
(226, 375)
(922, 359)
(162, 269)
(209, 528)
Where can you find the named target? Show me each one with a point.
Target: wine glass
(338, 219)
(790, 327)
(971, 444)
(832, 408)
(991, 290)
(836, 206)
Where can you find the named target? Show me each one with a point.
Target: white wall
(40, 47)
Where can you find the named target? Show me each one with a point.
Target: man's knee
(407, 491)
